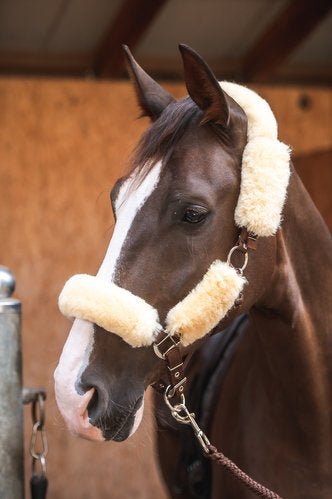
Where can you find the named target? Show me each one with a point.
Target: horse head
(174, 216)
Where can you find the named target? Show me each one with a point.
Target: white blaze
(127, 204)
(76, 352)
(73, 360)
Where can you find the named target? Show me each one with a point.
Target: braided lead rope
(232, 468)
(181, 414)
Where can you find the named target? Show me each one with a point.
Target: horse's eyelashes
(194, 214)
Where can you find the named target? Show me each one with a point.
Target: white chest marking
(127, 205)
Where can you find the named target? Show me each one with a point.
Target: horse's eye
(194, 215)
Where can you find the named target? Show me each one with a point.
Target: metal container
(11, 407)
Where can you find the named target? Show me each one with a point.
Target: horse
(259, 377)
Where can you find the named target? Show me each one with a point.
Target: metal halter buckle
(162, 355)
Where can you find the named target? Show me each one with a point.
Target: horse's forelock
(161, 138)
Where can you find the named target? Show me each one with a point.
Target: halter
(264, 179)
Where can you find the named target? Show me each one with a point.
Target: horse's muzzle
(118, 422)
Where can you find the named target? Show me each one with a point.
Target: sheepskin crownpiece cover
(264, 180)
(265, 165)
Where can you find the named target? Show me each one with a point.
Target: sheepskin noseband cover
(264, 180)
(136, 322)
(110, 307)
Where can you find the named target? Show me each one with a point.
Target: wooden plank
(129, 25)
(316, 174)
(63, 143)
(287, 32)
(304, 116)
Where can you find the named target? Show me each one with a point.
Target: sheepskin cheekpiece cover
(264, 180)
(265, 165)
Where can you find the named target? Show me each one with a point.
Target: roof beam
(171, 68)
(129, 25)
(24, 63)
(304, 74)
(287, 32)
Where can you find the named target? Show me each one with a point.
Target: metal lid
(7, 287)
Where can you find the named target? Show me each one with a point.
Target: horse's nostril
(92, 405)
(98, 404)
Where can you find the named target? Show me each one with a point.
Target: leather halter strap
(168, 348)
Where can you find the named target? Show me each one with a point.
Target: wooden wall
(62, 145)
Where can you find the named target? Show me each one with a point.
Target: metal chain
(38, 442)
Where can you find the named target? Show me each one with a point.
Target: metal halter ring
(229, 258)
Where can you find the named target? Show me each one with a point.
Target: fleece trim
(207, 304)
(121, 312)
(265, 165)
(113, 308)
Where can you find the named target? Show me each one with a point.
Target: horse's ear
(203, 87)
(152, 98)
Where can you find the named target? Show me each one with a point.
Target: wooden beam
(167, 68)
(129, 25)
(286, 33)
(21, 63)
(171, 68)
(303, 74)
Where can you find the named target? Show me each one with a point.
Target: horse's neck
(301, 286)
(293, 319)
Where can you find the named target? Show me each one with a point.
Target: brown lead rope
(249, 482)
(168, 348)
